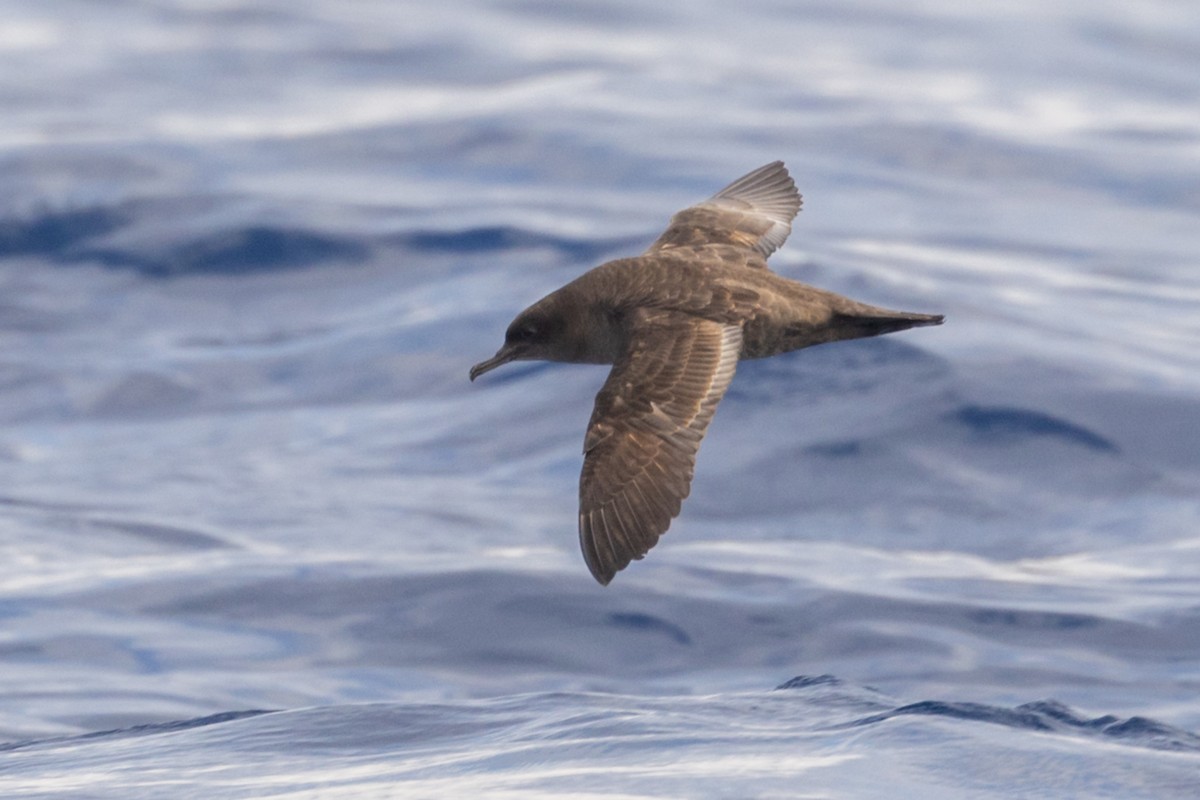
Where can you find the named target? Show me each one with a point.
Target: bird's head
(539, 333)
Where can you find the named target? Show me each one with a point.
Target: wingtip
(596, 561)
(770, 188)
(602, 574)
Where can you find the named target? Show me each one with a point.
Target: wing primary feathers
(769, 189)
(641, 456)
(752, 216)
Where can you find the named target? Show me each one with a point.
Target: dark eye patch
(524, 332)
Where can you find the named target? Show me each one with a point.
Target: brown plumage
(674, 322)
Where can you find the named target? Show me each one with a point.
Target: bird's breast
(601, 335)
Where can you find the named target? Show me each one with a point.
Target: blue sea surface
(261, 538)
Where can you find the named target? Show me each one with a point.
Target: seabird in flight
(674, 322)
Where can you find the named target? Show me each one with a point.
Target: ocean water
(261, 538)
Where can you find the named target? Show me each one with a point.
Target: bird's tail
(871, 321)
(847, 319)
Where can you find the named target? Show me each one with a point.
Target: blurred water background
(259, 536)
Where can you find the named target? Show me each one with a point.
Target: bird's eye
(527, 332)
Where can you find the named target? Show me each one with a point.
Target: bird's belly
(769, 334)
(761, 341)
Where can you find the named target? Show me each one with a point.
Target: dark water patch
(246, 250)
(139, 730)
(648, 622)
(808, 681)
(977, 712)
(54, 233)
(1033, 620)
(494, 239)
(847, 448)
(1006, 424)
(1049, 716)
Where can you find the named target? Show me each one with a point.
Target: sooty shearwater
(674, 322)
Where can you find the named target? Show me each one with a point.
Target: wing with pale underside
(754, 212)
(649, 419)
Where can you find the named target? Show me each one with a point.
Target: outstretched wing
(640, 449)
(755, 212)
